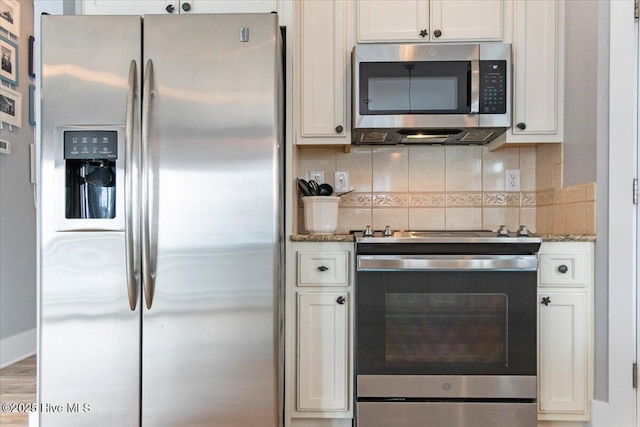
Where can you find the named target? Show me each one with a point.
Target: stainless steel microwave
(431, 93)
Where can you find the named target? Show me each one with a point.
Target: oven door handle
(447, 262)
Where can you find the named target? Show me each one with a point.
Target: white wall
(18, 219)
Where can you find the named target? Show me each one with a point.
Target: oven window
(446, 322)
(446, 328)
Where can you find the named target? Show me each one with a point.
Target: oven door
(446, 326)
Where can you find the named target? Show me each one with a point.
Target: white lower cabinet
(322, 351)
(565, 332)
(319, 337)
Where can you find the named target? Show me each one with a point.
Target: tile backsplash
(428, 187)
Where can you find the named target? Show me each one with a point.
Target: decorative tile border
(441, 200)
(356, 200)
(545, 197)
(528, 198)
(390, 200)
(464, 199)
(427, 200)
(501, 199)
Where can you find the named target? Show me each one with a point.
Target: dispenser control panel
(90, 145)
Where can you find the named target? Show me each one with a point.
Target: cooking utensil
(314, 188)
(325, 189)
(303, 186)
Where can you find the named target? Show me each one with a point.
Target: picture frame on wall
(32, 105)
(9, 61)
(10, 16)
(10, 106)
(32, 40)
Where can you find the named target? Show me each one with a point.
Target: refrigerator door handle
(148, 255)
(131, 202)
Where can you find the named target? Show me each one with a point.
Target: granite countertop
(322, 238)
(568, 237)
(349, 237)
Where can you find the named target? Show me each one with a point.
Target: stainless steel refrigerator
(160, 240)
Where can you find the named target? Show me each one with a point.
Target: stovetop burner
(445, 236)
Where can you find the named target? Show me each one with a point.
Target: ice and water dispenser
(90, 173)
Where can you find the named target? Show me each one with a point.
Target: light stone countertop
(349, 237)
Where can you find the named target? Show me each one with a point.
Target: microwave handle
(475, 87)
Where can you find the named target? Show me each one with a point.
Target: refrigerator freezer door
(89, 337)
(210, 337)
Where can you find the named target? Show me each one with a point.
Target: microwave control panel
(493, 87)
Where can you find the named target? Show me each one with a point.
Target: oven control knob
(367, 231)
(523, 231)
(503, 231)
(388, 231)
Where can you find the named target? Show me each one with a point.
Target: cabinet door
(132, 7)
(323, 72)
(322, 351)
(472, 20)
(562, 353)
(149, 7)
(226, 6)
(393, 20)
(537, 69)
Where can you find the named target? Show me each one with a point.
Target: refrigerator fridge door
(89, 318)
(211, 134)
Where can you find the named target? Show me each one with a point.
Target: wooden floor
(17, 385)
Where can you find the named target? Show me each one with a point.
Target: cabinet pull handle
(424, 33)
(170, 8)
(546, 301)
(521, 126)
(340, 300)
(186, 7)
(563, 269)
(437, 33)
(339, 129)
(323, 268)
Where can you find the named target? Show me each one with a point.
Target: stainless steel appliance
(160, 221)
(446, 329)
(431, 93)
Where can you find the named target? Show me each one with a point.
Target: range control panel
(90, 145)
(493, 87)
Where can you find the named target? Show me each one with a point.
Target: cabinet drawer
(563, 269)
(322, 268)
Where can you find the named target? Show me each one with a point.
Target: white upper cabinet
(322, 72)
(149, 7)
(432, 21)
(538, 72)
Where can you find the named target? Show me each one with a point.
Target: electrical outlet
(513, 180)
(342, 181)
(317, 176)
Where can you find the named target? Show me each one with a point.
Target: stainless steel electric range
(446, 328)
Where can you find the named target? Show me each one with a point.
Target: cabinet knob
(521, 126)
(340, 300)
(323, 268)
(424, 33)
(186, 7)
(339, 129)
(545, 300)
(170, 8)
(437, 33)
(563, 269)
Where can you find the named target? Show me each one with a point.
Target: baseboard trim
(18, 347)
